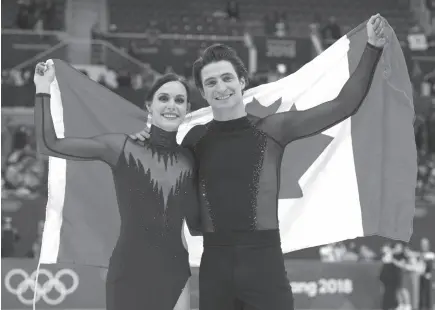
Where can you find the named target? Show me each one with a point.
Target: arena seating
(195, 15)
(9, 13)
(10, 10)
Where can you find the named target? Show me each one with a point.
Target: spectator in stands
(96, 33)
(385, 250)
(36, 246)
(401, 259)
(332, 252)
(421, 140)
(389, 278)
(39, 15)
(317, 21)
(430, 5)
(152, 32)
(27, 76)
(269, 23)
(20, 140)
(429, 84)
(10, 237)
(428, 161)
(281, 25)
(16, 77)
(49, 15)
(109, 35)
(6, 139)
(424, 127)
(427, 258)
(366, 254)
(416, 76)
(233, 10)
(136, 82)
(102, 80)
(24, 173)
(407, 53)
(421, 135)
(277, 24)
(123, 79)
(110, 77)
(148, 78)
(340, 251)
(187, 70)
(25, 16)
(331, 32)
(7, 78)
(133, 50)
(351, 253)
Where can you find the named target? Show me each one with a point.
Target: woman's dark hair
(169, 77)
(215, 53)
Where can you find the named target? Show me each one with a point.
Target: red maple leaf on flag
(298, 156)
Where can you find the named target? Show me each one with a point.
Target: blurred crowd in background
(24, 171)
(128, 43)
(36, 14)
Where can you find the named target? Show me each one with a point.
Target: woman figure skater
(155, 188)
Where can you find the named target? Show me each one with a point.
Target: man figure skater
(238, 160)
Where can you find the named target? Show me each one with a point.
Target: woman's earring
(149, 119)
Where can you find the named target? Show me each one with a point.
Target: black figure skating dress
(155, 188)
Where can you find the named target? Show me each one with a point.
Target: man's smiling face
(222, 88)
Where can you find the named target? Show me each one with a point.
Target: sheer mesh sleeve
(192, 212)
(106, 147)
(289, 126)
(192, 209)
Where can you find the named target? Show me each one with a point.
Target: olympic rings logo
(53, 282)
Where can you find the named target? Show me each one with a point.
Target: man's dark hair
(215, 53)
